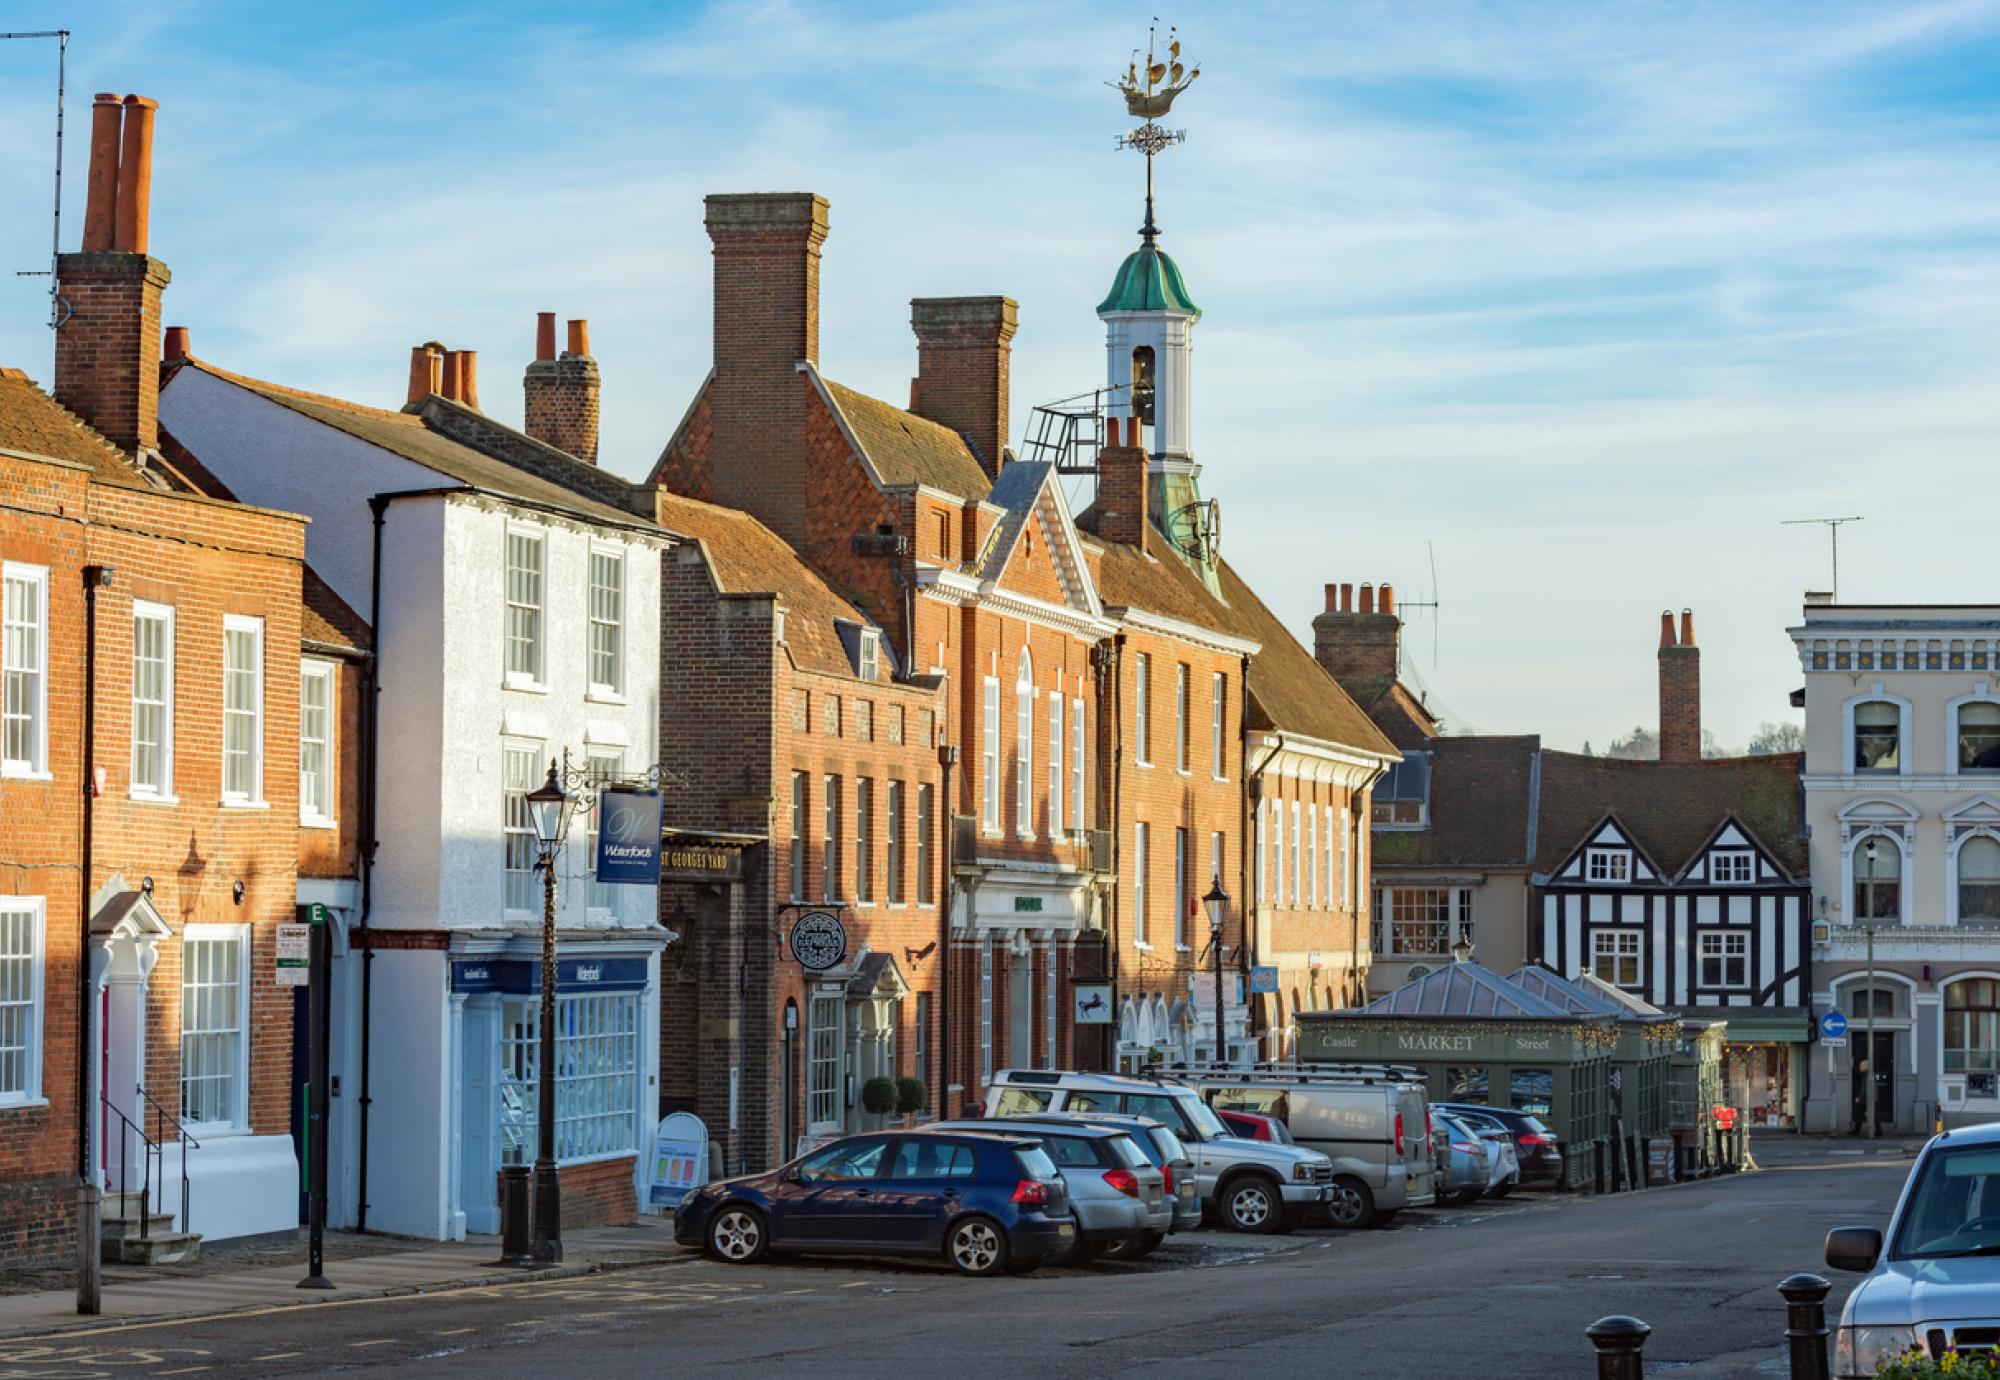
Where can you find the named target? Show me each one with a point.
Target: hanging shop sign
(628, 837)
(819, 941)
(680, 1159)
(1263, 979)
(1093, 1003)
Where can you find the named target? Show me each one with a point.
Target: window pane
(607, 619)
(211, 1029)
(1979, 737)
(524, 605)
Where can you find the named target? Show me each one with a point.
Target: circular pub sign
(819, 941)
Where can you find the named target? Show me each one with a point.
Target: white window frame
(864, 841)
(1181, 727)
(829, 844)
(1182, 842)
(870, 658)
(599, 1041)
(604, 765)
(1982, 693)
(989, 756)
(1723, 956)
(986, 1010)
(516, 830)
(926, 811)
(1624, 945)
(1312, 856)
(1609, 865)
(1024, 745)
(1077, 739)
(1142, 679)
(826, 1042)
(894, 821)
(1954, 850)
(607, 617)
(1055, 764)
(254, 797)
(1296, 893)
(1140, 839)
(34, 766)
(163, 789)
(536, 614)
(1905, 763)
(318, 814)
(34, 910)
(801, 802)
(1742, 859)
(1050, 1026)
(239, 1111)
(1218, 743)
(1347, 850)
(1216, 849)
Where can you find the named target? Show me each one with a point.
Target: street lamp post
(548, 811)
(1217, 904)
(1868, 1130)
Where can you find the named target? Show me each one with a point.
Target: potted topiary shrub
(911, 1095)
(878, 1096)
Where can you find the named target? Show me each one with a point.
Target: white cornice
(1192, 633)
(957, 588)
(1310, 753)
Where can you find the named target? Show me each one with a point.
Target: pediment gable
(1734, 856)
(1596, 860)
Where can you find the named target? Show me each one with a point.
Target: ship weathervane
(1149, 90)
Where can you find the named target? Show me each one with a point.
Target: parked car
(1118, 1194)
(1372, 1121)
(1163, 1148)
(1255, 1126)
(1535, 1145)
(1937, 1285)
(987, 1203)
(1465, 1162)
(1249, 1185)
(1506, 1160)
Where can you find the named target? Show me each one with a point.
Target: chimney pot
(579, 338)
(468, 378)
(1666, 627)
(100, 214)
(135, 176)
(423, 370)
(1333, 598)
(560, 391)
(454, 374)
(177, 343)
(545, 335)
(1347, 597)
(1367, 597)
(1687, 627)
(1388, 599)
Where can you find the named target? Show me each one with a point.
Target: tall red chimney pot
(579, 338)
(1388, 599)
(1667, 627)
(100, 213)
(545, 335)
(177, 343)
(135, 176)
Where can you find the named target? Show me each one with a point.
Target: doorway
(1881, 1066)
(1021, 1010)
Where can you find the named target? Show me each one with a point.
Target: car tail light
(1167, 1173)
(1124, 1180)
(1399, 1134)
(1531, 1139)
(1032, 1191)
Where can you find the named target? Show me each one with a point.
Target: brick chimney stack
(108, 347)
(964, 354)
(562, 390)
(1363, 643)
(1680, 690)
(1122, 482)
(766, 317)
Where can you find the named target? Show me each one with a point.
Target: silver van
(1371, 1120)
(1249, 1185)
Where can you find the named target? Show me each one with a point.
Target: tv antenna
(61, 36)
(1431, 602)
(1832, 526)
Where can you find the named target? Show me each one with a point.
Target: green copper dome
(1148, 281)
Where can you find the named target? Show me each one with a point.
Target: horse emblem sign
(819, 941)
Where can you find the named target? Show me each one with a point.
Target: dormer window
(871, 655)
(1732, 866)
(1878, 727)
(1607, 865)
(1401, 799)
(1143, 384)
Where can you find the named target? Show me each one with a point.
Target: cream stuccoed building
(1902, 798)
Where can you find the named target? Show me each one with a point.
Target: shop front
(1765, 1065)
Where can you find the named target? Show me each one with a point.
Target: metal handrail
(126, 1130)
(161, 1119)
(152, 1154)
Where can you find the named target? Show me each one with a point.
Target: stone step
(156, 1223)
(159, 1248)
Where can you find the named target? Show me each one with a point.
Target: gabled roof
(408, 434)
(1464, 990)
(1610, 833)
(1671, 809)
(903, 448)
(1025, 488)
(1395, 710)
(1289, 691)
(1482, 806)
(326, 619)
(36, 424)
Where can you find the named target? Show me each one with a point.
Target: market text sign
(628, 837)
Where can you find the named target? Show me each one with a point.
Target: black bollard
(1597, 1165)
(1805, 1325)
(514, 1219)
(1619, 1341)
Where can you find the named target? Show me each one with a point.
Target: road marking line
(802, 1291)
(184, 1370)
(612, 1314)
(379, 1341)
(526, 1322)
(277, 1355)
(452, 1332)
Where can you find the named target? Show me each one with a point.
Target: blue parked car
(987, 1202)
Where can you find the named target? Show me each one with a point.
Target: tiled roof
(1670, 809)
(33, 422)
(906, 449)
(1289, 691)
(1397, 712)
(746, 557)
(327, 619)
(406, 434)
(1463, 989)
(1481, 807)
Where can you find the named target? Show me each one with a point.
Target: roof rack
(1292, 1073)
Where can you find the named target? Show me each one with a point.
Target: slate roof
(33, 422)
(906, 449)
(746, 557)
(1015, 492)
(408, 435)
(1397, 712)
(1289, 690)
(1670, 809)
(1463, 990)
(326, 618)
(1481, 807)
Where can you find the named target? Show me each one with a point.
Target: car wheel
(737, 1234)
(1253, 1203)
(976, 1246)
(1353, 1204)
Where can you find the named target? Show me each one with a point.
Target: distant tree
(1770, 738)
(1711, 748)
(1586, 748)
(1641, 744)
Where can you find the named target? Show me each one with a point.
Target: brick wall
(108, 349)
(1680, 691)
(600, 1194)
(963, 366)
(561, 398)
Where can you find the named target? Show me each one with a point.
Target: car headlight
(1861, 1351)
(1303, 1171)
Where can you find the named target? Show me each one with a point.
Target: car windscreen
(1201, 1117)
(1954, 1208)
(1127, 1152)
(1035, 1162)
(1068, 1152)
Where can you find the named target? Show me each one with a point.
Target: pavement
(1497, 1290)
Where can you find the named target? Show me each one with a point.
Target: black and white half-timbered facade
(1704, 917)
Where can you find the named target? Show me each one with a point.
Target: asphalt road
(1486, 1292)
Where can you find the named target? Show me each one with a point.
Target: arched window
(1142, 384)
(1024, 745)
(1878, 735)
(1878, 877)
(1979, 881)
(1972, 1033)
(1979, 736)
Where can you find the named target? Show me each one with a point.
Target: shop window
(1878, 878)
(1878, 731)
(1972, 1034)
(1979, 881)
(1979, 736)
(823, 1064)
(597, 1076)
(1472, 1084)
(1532, 1090)
(1725, 960)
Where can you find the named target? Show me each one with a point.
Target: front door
(1021, 1011)
(1882, 1068)
(479, 1118)
(830, 1198)
(918, 1192)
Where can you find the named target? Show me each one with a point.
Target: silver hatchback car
(1165, 1149)
(1118, 1195)
(1936, 1288)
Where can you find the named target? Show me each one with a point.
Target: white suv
(1249, 1185)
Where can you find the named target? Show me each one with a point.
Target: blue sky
(1588, 297)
